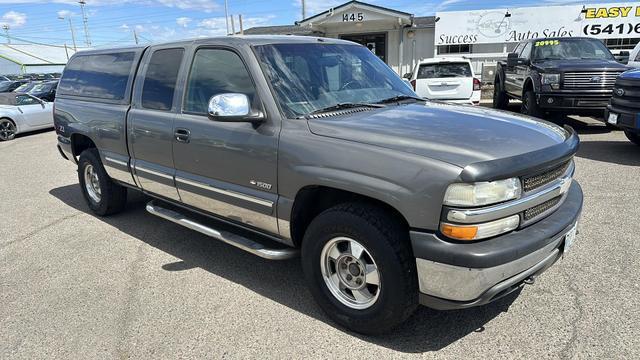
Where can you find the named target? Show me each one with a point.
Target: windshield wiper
(341, 106)
(399, 98)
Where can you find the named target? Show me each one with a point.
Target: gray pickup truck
(287, 146)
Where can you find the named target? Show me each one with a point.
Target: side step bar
(238, 241)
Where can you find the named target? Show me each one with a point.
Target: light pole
(85, 22)
(73, 34)
(226, 15)
(5, 27)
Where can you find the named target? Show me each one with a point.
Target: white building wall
(421, 46)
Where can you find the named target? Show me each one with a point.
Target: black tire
(611, 127)
(530, 105)
(113, 197)
(500, 98)
(7, 129)
(633, 137)
(386, 240)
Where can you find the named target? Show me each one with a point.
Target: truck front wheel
(359, 266)
(103, 196)
(530, 105)
(633, 137)
(500, 98)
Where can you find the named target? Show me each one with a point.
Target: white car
(634, 57)
(21, 113)
(448, 79)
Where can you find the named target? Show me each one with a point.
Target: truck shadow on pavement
(616, 152)
(280, 281)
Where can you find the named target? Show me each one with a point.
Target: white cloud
(183, 21)
(65, 13)
(204, 5)
(14, 19)
(217, 26)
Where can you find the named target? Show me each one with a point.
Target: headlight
(551, 79)
(482, 193)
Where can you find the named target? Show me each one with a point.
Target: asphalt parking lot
(73, 285)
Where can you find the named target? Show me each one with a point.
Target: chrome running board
(238, 241)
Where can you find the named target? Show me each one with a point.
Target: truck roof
(233, 40)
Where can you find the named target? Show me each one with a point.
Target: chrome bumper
(444, 286)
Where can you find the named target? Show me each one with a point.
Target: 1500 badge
(260, 184)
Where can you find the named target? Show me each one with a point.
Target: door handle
(182, 135)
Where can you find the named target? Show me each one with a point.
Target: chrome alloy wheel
(92, 183)
(7, 130)
(350, 273)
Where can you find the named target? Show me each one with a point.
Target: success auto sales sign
(603, 21)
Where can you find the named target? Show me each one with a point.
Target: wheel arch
(80, 143)
(528, 85)
(312, 200)
(15, 123)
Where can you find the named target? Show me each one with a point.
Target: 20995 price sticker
(611, 29)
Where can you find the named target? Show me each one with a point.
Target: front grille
(536, 181)
(626, 95)
(540, 209)
(601, 80)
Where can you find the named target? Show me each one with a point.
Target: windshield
(5, 85)
(42, 88)
(310, 77)
(25, 87)
(444, 70)
(570, 49)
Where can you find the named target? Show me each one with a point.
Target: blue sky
(113, 21)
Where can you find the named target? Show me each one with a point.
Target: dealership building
(401, 39)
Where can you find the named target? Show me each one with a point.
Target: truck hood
(631, 75)
(459, 135)
(580, 65)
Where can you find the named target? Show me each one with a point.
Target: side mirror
(233, 107)
(514, 60)
(407, 76)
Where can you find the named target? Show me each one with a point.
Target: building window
(621, 44)
(455, 49)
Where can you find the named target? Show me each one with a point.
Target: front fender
(413, 185)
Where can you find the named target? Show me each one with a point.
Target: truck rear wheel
(500, 98)
(633, 137)
(103, 196)
(359, 266)
(530, 105)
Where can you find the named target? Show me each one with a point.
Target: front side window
(526, 52)
(103, 76)
(23, 100)
(444, 70)
(309, 77)
(213, 72)
(160, 80)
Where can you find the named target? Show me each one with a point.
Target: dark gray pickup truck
(287, 145)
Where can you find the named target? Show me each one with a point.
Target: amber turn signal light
(459, 232)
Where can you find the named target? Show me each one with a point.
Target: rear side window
(103, 76)
(160, 79)
(445, 70)
(214, 72)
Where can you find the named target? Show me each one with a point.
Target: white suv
(634, 57)
(448, 79)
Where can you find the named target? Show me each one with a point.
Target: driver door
(225, 168)
(34, 112)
